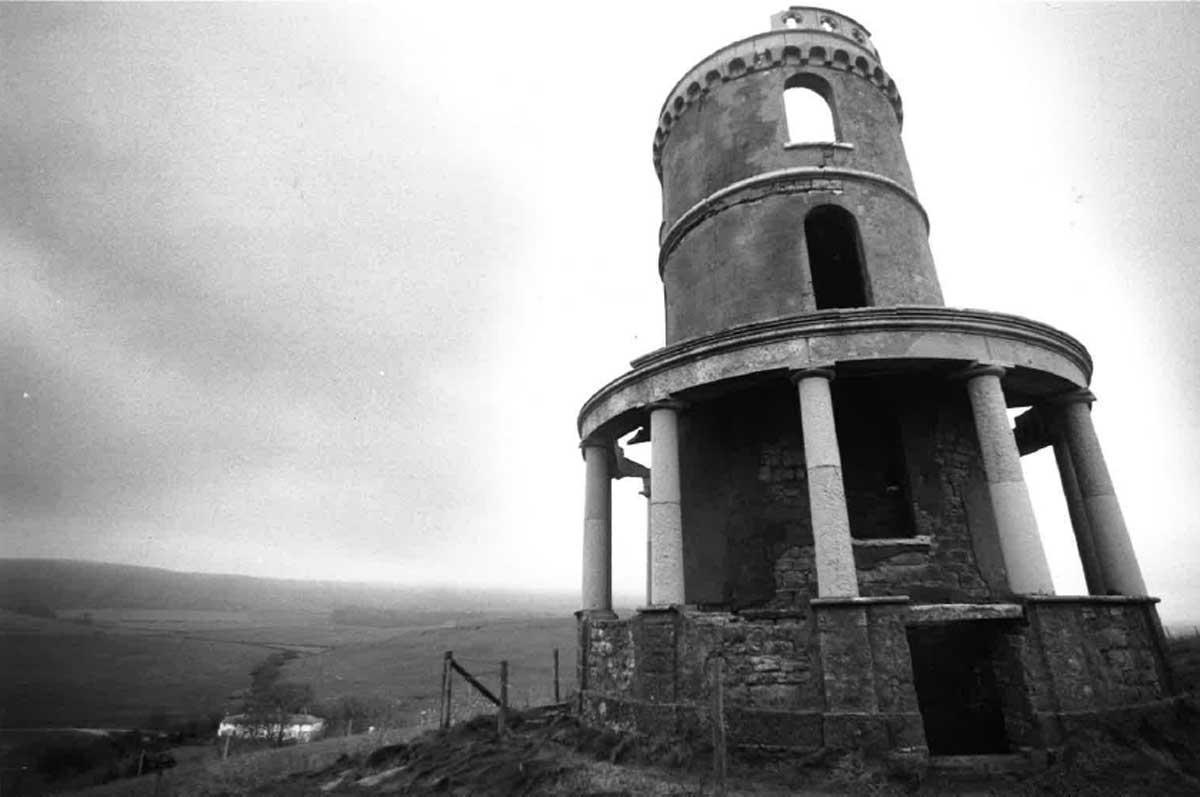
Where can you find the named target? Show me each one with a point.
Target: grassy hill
(65, 583)
(94, 644)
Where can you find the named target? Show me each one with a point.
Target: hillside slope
(65, 583)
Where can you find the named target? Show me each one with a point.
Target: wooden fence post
(556, 697)
(500, 718)
(718, 723)
(444, 720)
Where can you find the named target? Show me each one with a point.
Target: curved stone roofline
(783, 48)
(909, 332)
(793, 180)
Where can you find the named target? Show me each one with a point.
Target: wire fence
(472, 686)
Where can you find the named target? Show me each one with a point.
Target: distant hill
(69, 584)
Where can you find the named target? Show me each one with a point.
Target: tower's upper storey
(785, 184)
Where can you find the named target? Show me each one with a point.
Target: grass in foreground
(548, 753)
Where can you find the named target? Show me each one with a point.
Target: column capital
(981, 368)
(667, 404)
(1080, 396)
(606, 446)
(822, 370)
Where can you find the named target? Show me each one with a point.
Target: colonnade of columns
(1105, 548)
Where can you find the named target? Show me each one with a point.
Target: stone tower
(837, 508)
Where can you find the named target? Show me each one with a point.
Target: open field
(126, 665)
(121, 669)
(75, 676)
(405, 670)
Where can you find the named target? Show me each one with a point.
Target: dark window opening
(835, 258)
(957, 690)
(874, 469)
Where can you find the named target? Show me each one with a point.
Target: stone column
(1020, 544)
(834, 554)
(666, 519)
(645, 491)
(1118, 563)
(597, 527)
(1092, 573)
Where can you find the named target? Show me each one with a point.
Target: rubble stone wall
(748, 537)
(653, 673)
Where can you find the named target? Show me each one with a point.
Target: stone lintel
(772, 614)
(596, 614)
(817, 603)
(919, 541)
(937, 613)
(663, 608)
(844, 145)
(1086, 599)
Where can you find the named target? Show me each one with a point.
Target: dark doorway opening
(960, 702)
(835, 258)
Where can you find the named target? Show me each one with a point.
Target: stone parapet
(821, 49)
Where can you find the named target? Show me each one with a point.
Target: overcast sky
(317, 291)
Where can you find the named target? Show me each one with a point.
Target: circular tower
(836, 502)
(761, 218)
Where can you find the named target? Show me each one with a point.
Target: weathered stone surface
(960, 612)
(757, 514)
(1099, 654)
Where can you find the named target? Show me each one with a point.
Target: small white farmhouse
(295, 727)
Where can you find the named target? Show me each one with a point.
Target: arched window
(835, 258)
(808, 108)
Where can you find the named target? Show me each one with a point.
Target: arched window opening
(835, 258)
(808, 109)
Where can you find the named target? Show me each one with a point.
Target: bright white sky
(317, 291)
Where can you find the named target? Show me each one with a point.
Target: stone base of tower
(879, 674)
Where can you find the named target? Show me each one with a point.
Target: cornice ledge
(878, 319)
(900, 318)
(724, 198)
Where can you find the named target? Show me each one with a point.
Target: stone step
(987, 764)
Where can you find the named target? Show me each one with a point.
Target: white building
(295, 727)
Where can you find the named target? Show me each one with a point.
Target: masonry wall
(748, 260)
(1092, 655)
(653, 673)
(739, 130)
(747, 535)
(790, 679)
(957, 555)
(743, 258)
(745, 494)
(839, 673)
